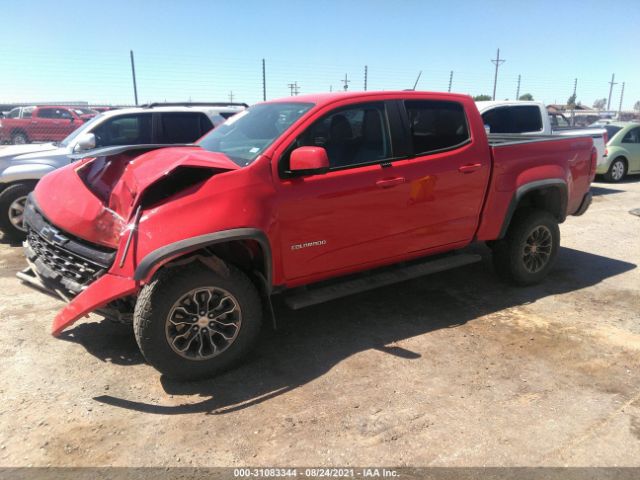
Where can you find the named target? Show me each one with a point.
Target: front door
(347, 216)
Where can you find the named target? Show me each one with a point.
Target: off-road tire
(156, 301)
(612, 176)
(509, 252)
(7, 197)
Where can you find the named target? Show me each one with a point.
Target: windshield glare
(245, 136)
(85, 127)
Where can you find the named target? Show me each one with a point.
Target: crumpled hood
(95, 197)
(150, 167)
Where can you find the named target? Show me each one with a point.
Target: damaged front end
(73, 270)
(82, 221)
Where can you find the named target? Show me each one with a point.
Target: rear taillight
(606, 152)
(605, 137)
(594, 163)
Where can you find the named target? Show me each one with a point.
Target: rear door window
(183, 127)
(124, 130)
(436, 125)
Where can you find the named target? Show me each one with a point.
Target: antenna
(417, 79)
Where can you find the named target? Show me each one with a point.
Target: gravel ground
(456, 369)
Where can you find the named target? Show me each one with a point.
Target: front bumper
(104, 290)
(69, 268)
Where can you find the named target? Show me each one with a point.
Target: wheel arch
(550, 195)
(247, 248)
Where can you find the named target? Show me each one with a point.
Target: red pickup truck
(310, 198)
(41, 124)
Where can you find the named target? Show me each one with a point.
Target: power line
(497, 62)
(611, 84)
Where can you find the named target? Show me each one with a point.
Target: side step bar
(314, 295)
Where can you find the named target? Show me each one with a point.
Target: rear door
(445, 176)
(182, 127)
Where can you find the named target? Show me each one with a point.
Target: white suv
(21, 166)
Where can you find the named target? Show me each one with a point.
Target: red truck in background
(309, 198)
(41, 124)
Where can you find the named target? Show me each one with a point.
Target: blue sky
(204, 50)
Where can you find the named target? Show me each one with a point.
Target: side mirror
(86, 141)
(309, 161)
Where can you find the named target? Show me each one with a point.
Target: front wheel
(191, 322)
(12, 202)
(617, 171)
(527, 252)
(19, 138)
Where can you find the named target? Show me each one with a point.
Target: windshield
(78, 131)
(245, 135)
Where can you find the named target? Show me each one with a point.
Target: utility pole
(450, 80)
(611, 84)
(133, 74)
(330, 88)
(231, 96)
(264, 82)
(346, 82)
(621, 97)
(365, 78)
(293, 87)
(573, 107)
(518, 89)
(497, 62)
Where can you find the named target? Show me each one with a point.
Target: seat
(371, 147)
(339, 147)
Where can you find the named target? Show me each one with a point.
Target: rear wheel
(527, 252)
(617, 171)
(191, 322)
(12, 203)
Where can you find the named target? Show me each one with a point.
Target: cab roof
(326, 98)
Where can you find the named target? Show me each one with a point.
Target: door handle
(390, 182)
(470, 168)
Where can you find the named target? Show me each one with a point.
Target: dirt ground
(456, 369)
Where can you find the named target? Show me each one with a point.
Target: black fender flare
(530, 187)
(158, 256)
